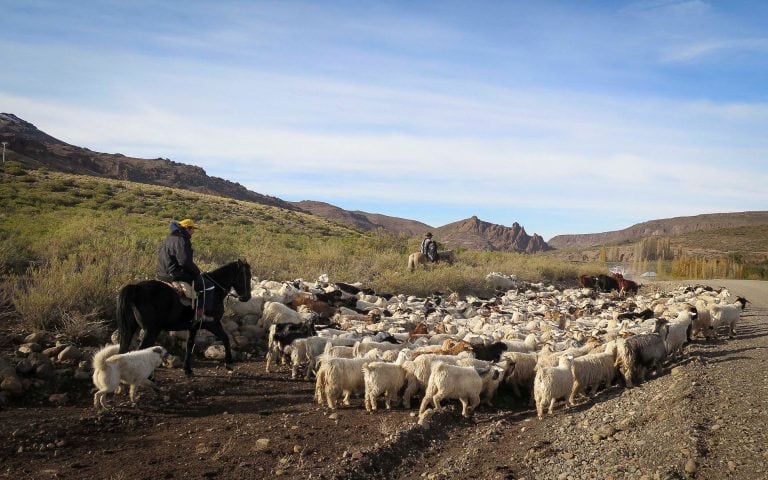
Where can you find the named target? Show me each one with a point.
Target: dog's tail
(100, 359)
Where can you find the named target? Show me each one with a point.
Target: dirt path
(704, 418)
(733, 409)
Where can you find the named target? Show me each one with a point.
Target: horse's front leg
(188, 353)
(216, 329)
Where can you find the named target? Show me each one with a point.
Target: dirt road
(704, 418)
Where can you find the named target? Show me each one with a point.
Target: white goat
(276, 312)
(490, 382)
(421, 368)
(340, 377)
(702, 322)
(679, 332)
(451, 381)
(383, 378)
(553, 383)
(362, 347)
(527, 345)
(316, 347)
(725, 315)
(592, 370)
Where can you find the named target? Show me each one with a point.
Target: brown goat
(322, 309)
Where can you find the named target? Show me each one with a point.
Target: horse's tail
(411, 262)
(126, 316)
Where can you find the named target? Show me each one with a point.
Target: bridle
(240, 266)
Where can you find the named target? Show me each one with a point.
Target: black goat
(490, 352)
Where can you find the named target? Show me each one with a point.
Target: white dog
(132, 368)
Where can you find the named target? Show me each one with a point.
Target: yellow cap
(187, 223)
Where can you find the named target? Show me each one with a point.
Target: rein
(229, 291)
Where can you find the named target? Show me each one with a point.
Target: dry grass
(65, 251)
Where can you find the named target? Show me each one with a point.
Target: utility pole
(4, 144)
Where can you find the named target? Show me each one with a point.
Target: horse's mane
(225, 269)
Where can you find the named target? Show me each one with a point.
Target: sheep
(725, 315)
(451, 381)
(383, 378)
(592, 370)
(638, 354)
(679, 332)
(553, 383)
(339, 377)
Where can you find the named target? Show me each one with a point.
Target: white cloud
(696, 51)
(385, 108)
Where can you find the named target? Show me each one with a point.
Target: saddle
(182, 292)
(196, 298)
(191, 297)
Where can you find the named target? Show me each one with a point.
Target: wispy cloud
(696, 51)
(516, 112)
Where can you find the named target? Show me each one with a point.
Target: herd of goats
(543, 343)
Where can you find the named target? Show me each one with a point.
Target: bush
(83, 285)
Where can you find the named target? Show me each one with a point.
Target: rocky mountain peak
(478, 234)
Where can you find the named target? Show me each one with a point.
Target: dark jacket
(174, 259)
(429, 248)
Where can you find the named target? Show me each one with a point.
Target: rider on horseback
(429, 247)
(175, 264)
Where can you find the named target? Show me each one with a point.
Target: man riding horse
(175, 264)
(429, 247)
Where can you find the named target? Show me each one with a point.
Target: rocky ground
(703, 418)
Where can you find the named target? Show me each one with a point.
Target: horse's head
(242, 284)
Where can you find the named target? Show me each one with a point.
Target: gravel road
(704, 418)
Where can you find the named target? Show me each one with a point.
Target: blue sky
(566, 117)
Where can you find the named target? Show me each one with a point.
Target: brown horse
(419, 258)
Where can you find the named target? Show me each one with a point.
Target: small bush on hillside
(61, 185)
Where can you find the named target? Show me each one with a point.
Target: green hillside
(68, 243)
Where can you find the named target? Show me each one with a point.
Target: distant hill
(476, 234)
(470, 233)
(664, 227)
(34, 148)
(364, 220)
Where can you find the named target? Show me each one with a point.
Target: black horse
(155, 306)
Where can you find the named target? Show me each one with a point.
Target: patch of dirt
(703, 418)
